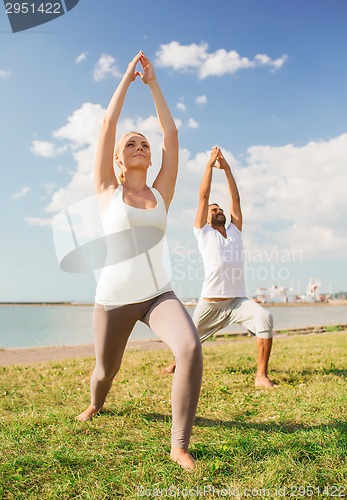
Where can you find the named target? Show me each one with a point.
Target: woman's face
(134, 151)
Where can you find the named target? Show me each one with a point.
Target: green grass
(333, 328)
(244, 438)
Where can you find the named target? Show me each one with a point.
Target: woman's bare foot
(264, 381)
(183, 458)
(88, 413)
(170, 369)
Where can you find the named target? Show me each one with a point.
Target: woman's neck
(135, 182)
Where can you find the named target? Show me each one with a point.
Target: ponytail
(122, 177)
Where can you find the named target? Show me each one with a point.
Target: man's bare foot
(88, 413)
(170, 369)
(264, 381)
(183, 458)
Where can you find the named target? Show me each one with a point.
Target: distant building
(275, 294)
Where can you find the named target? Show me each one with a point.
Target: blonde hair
(122, 174)
(121, 177)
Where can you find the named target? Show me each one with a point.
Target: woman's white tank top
(137, 262)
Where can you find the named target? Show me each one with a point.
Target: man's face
(215, 216)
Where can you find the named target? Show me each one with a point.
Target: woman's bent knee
(191, 352)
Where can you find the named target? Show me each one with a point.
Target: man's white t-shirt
(223, 262)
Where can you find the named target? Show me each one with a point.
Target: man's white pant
(210, 317)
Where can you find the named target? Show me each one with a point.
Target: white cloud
(81, 57)
(82, 126)
(37, 221)
(48, 187)
(192, 123)
(46, 149)
(180, 57)
(178, 122)
(292, 196)
(105, 66)
(201, 99)
(4, 73)
(181, 106)
(81, 183)
(196, 57)
(81, 133)
(22, 192)
(263, 59)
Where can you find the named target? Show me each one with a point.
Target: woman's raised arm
(166, 178)
(105, 177)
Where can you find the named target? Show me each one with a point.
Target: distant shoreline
(33, 355)
(72, 304)
(337, 302)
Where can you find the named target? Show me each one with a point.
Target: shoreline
(35, 355)
(335, 302)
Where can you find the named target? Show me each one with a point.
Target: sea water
(57, 325)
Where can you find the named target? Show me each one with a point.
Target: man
(223, 298)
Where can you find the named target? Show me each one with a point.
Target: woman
(124, 295)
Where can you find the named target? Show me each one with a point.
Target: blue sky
(265, 80)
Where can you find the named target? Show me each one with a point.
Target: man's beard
(218, 220)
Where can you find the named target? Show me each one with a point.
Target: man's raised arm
(235, 205)
(205, 188)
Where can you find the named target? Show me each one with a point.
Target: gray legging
(170, 321)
